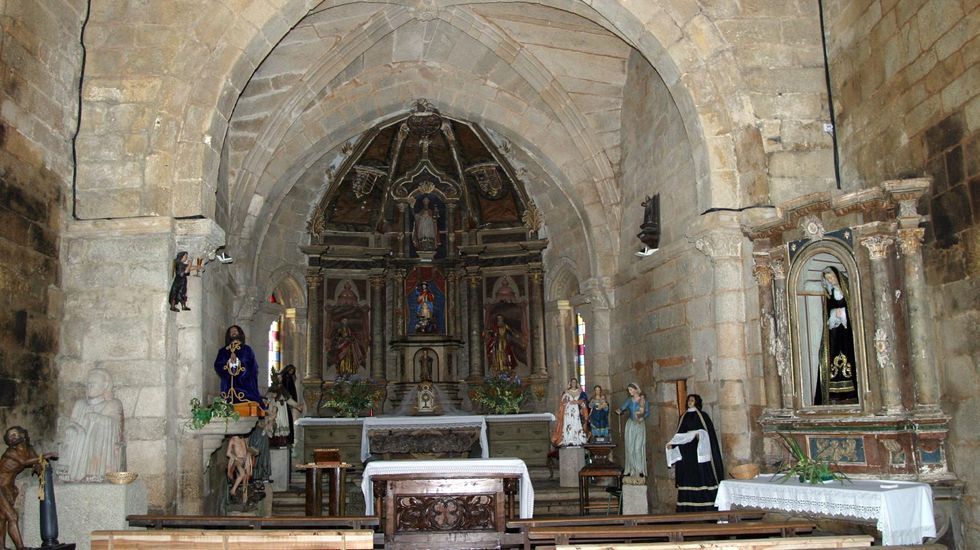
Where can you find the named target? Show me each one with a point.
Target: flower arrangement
(201, 416)
(349, 396)
(806, 469)
(500, 394)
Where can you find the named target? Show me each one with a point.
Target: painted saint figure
(425, 234)
(697, 455)
(348, 349)
(500, 349)
(837, 376)
(238, 370)
(425, 303)
(599, 415)
(178, 289)
(568, 430)
(18, 457)
(635, 436)
(93, 442)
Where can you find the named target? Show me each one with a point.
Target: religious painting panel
(428, 226)
(507, 334)
(838, 450)
(827, 326)
(425, 301)
(346, 330)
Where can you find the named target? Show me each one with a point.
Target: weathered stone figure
(93, 444)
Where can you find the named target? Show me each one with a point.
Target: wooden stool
(602, 470)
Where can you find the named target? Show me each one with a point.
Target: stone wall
(917, 62)
(40, 58)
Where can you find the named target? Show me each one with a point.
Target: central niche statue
(93, 439)
(425, 234)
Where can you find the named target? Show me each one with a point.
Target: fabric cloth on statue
(246, 382)
(635, 437)
(696, 481)
(568, 429)
(258, 442)
(704, 446)
(837, 375)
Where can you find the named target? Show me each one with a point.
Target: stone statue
(18, 457)
(425, 234)
(93, 444)
(241, 462)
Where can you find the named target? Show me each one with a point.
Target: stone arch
(287, 281)
(697, 90)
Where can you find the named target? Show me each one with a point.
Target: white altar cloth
(903, 509)
(463, 466)
(420, 422)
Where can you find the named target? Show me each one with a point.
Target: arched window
(580, 349)
(275, 348)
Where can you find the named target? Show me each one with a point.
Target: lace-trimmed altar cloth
(902, 509)
(474, 466)
(421, 423)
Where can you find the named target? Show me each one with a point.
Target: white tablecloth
(903, 509)
(463, 466)
(422, 422)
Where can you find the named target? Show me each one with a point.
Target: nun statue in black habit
(695, 451)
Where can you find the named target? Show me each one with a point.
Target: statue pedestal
(83, 508)
(635, 500)
(570, 461)
(280, 468)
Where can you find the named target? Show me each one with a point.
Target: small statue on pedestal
(18, 457)
(599, 416)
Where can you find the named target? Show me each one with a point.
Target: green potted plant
(201, 416)
(500, 394)
(806, 469)
(349, 396)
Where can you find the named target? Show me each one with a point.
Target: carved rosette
(812, 227)
(877, 246)
(445, 513)
(910, 240)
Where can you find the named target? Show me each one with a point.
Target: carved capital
(473, 279)
(761, 269)
(778, 267)
(877, 246)
(910, 240)
(720, 245)
(536, 275)
(377, 281)
(314, 279)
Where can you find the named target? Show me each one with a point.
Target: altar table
(902, 509)
(475, 466)
(412, 423)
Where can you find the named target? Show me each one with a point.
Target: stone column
(474, 306)
(922, 357)
(406, 230)
(452, 288)
(314, 327)
(536, 283)
(781, 338)
(377, 327)
(884, 337)
(450, 230)
(721, 241)
(763, 277)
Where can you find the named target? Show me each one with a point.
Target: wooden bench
(794, 543)
(732, 516)
(673, 532)
(190, 539)
(253, 522)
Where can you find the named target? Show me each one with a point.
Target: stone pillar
(452, 287)
(921, 354)
(536, 283)
(406, 230)
(763, 277)
(884, 336)
(450, 230)
(781, 318)
(314, 327)
(474, 305)
(721, 242)
(377, 327)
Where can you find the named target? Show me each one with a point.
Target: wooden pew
(827, 542)
(732, 516)
(673, 532)
(253, 522)
(190, 539)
